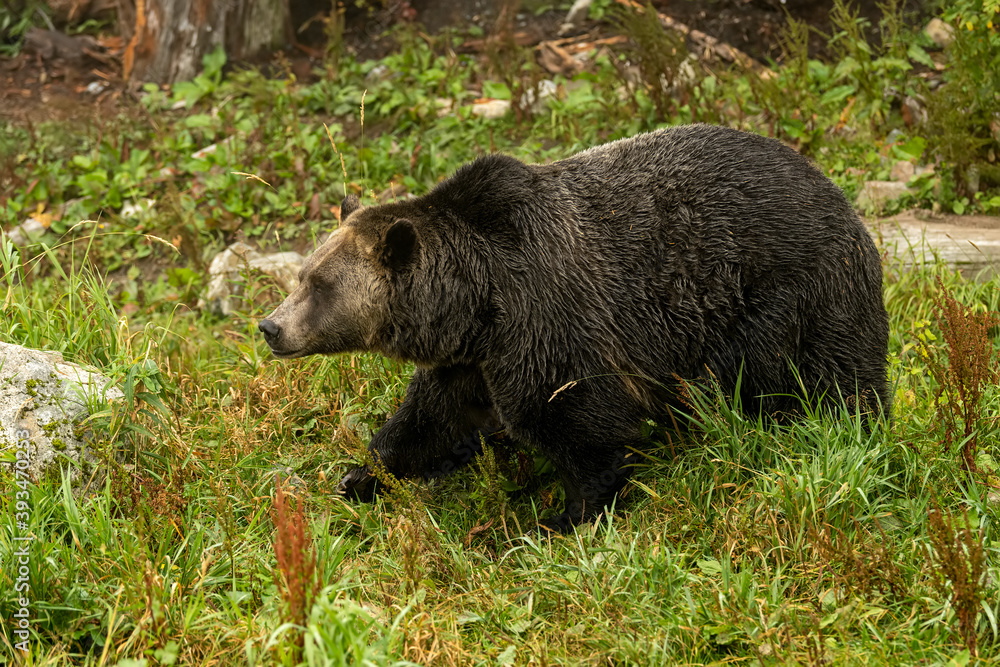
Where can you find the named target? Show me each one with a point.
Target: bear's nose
(269, 329)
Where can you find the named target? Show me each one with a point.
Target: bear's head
(383, 282)
(341, 303)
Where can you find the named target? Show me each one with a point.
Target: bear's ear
(348, 206)
(399, 245)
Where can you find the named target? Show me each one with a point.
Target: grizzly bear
(564, 304)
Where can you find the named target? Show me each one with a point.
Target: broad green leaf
(917, 54)
(836, 95)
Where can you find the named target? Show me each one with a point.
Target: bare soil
(755, 26)
(33, 90)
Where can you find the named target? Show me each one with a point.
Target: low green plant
(877, 75)
(17, 17)
(963, 125)
(490, 497)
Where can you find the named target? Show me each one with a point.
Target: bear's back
(721, 173)
(713, 247)
(698, 198)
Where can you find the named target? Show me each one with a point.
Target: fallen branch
(707, 45)
(554, 53)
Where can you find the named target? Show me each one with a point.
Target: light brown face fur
(339, 305)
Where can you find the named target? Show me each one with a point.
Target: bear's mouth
(286, 354)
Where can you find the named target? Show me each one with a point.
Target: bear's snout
(279, 339)
(270, 330)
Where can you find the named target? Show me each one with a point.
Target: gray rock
(577, 14)
(443, 106)
(940, 32)
(876, 194)
(225, 284)
(916, 107)
(141, 208)
(575, 17)
(902, 171)
(378, 73)
(44, 404)
(547, 90)
(491, 109)
(972, 178)
(27, 232)
(32, 229)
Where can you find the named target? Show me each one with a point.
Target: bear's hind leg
(590, 492)
(590, 486)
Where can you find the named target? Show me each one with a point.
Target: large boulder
(44, 405)
(226, 272)
(874, 195)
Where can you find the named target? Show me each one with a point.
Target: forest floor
(35, 89)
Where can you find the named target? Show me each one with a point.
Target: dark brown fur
(561, 302)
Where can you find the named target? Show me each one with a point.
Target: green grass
(743, 542)
(802, 543)
(720, 552)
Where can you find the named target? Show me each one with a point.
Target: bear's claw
(358, 484)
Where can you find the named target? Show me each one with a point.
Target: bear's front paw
(560, 524)
(358, 484)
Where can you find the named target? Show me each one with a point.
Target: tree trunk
(166, 39)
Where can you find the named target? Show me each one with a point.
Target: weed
(514, 64)
(143, 498)
(872, 71)
(958, 559)
(299, 570)
(153, 593)
(791, 110)
(657, 64)
(333, 29)
(964, 370)
(864, 566)
(413, 531)
(490, 496)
